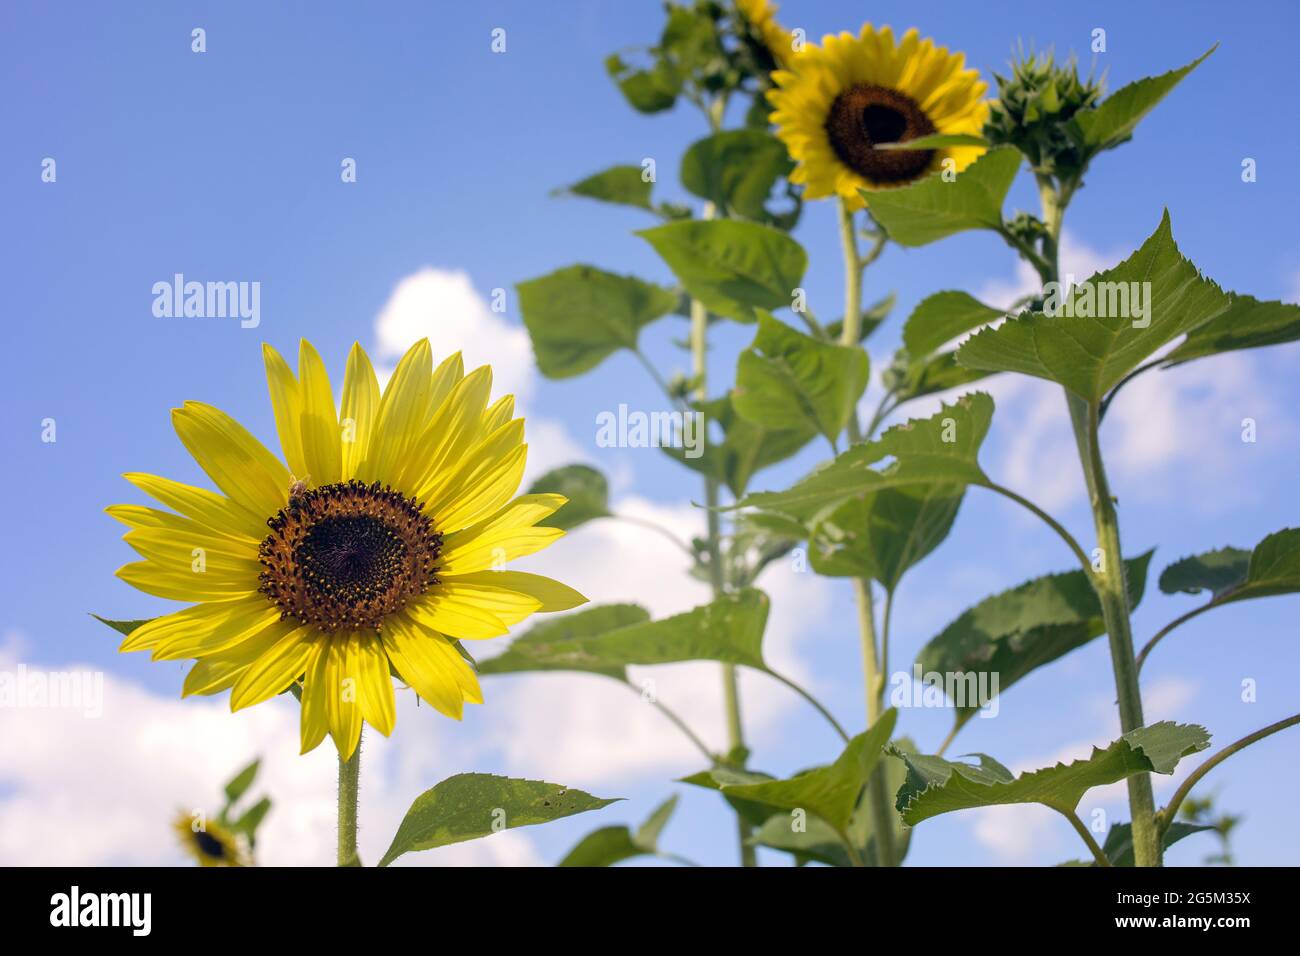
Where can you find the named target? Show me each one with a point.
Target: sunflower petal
(274, 669)
(470, 612)
(360, 404)
(286, 403)
(378, 705)
(403, 411)
(429, 664)
(550, 595)
(215, 628)
(206, 507)
(322, 447)
(152, 578)
(238, 463)
(313, 722)
(341, 690)
(495, 548)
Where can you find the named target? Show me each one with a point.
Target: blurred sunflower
(841, 100)
(210, 845)
(761, 17)
(376, 561)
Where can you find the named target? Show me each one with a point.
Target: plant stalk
(1108, 581)
(882, 812)
(349, 787)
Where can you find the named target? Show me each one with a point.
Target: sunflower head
(765, 34)
(1034, 108)
(209, 843)
(836, 103)
(385, 554)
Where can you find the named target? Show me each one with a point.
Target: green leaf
(610, 845)
(936, 786)
(942, 317)
(732, 267)
(830, 792)
(910, 379)
(862, 829)
(932, 208)
(746, 449)
(1215, 571)
(122, 627)
(1119, 840)
(251, 819)
(1017, 631)
(736, 170)
(882, 534)
(579, 315)
(647, 91)
(239, 784)
(729, 629)
(1248, 323)
(472, 805)
(586, 489)
(717, 778)
(1090, 353)
(872, 316)
(942, 449)
(1272, 568)
(548, 646)
(1113, 121)
(624, 185)
(810, 839)
(790, 381)
(603, 847)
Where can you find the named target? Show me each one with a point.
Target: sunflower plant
(368, 554)
(904, 137)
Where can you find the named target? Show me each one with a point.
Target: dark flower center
(864, 117)
(347, 555)
(209, 845)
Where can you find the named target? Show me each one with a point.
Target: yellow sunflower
(842, 99)
(210, 844)
(375, 560)
(761, 16)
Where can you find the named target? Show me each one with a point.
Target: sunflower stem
(872, 678)
(1108, 581)
(349, 787)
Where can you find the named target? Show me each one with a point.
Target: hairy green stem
(877, 795)
(1108, 581)
(1093, 847)
(349, 786)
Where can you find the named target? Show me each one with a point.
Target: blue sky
(225, 166)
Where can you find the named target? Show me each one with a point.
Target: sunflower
(761, 16)
(373, 553)
(210, 844)
(842, 99)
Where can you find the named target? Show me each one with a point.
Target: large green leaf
(790, 381)
(650, 90)
(942, 317)
(941, 449)
(745, 449)
(624, 185)
(729, 629)
(717, 778)
(936, 786)
(732, 267)
(1013, 633)
(1088, 353)
(934, 208)
(1230, 574)
(472, 805)
(586, 489)
(1113, 121)
(238, 785)
(881, 534)
(610, 845)
(736, 170)
(1248, 323)
(810, 839)
(549, 645)
(830, 792)
(579, 315)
